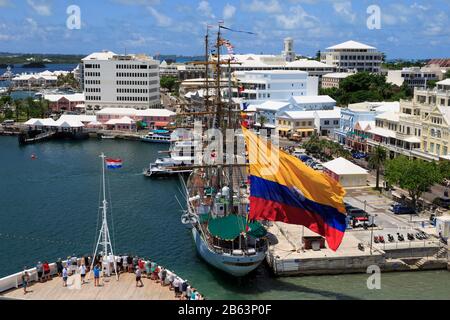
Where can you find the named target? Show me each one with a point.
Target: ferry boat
(217, 195)
(155, 138)
(180, 160)
(169, 166)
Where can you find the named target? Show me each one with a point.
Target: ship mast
(104, 238)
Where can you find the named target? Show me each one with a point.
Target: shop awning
(305, 130)
(161, 124)
(284, 129)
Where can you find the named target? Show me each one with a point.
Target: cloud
(229, 11)
(138, 2)
(161, 19)
(204, 8)
(297, 18)
(344, 9)
(269, 6)
(42, 8)
(4, 3)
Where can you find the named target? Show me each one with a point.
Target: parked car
(359, 155)
(304, 157)
(318, 166)
(443, 202)
(401, 209)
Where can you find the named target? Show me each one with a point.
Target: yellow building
(436, 132)
(296, 123)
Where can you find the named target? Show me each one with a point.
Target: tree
(415, 176)
(67, 80)
(168, 83)
(262, 120)
(447, 75)
(376, 160)
(364, 86)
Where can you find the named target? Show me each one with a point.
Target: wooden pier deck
(110, 289)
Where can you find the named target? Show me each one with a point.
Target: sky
(414, 29)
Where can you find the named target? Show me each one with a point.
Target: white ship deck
(111, 289)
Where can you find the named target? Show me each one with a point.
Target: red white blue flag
(113, 163)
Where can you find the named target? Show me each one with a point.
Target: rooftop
(272, 105)
(134, 112)
(70, 97)
(351, 45)
(296, 115)
(313, 99)
(340, 75)
(343, 166)
(445, 82)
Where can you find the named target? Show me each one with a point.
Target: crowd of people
(140, 267)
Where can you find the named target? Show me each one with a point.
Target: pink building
(65, 102)
(152, 117)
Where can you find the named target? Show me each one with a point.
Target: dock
(286, 257)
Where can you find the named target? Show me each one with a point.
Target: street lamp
(371, 232)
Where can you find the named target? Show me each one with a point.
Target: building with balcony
(352, 55)
(360, 112)
(305, 123)
(260, 86)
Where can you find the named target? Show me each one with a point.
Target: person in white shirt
(82, 270)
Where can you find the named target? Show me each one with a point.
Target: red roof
(161, 124)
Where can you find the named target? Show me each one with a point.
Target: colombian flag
(291, 192)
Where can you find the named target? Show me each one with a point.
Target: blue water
(50, 67)
(48, 209)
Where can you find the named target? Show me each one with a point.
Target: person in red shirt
(46, 268)
(141, 265)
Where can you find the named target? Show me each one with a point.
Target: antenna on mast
(104, 238)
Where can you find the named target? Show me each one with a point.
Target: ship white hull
(235, 265)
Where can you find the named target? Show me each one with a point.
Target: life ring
(188, 219)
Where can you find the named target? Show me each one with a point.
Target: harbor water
(49, 210)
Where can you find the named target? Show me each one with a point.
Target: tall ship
(217, 194)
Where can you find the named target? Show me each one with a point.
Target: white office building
(120, 81)
(414, 77)
(260, 86)
(352, 55)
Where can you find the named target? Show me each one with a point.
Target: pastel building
(66, 102)
(360, 112)
(306, 123)
(151, 117)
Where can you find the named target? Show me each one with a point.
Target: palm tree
(376, 160)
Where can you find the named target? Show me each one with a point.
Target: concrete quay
(286, 257)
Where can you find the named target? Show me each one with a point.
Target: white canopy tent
(346, 173)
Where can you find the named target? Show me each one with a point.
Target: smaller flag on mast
(113, 163)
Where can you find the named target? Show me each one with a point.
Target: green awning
(230, 227)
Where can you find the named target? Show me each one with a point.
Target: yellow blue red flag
(283, 188)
